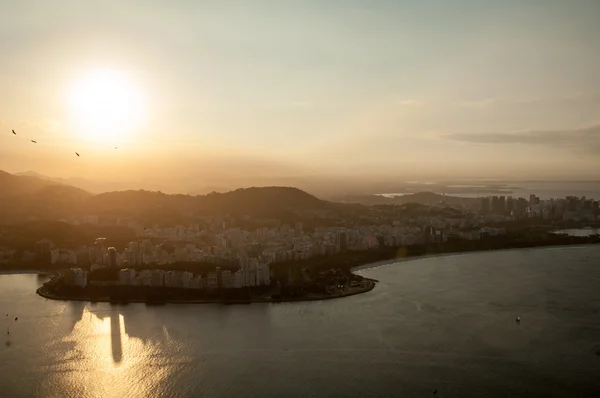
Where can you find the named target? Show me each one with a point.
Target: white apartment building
(79, 277)
(126, 277)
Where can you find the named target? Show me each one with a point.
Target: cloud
(568, 99)
(579, 139)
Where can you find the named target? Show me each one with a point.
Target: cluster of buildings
(569, 208)
(250, 274)
(251, 253)
(228, 246)
(218, 279)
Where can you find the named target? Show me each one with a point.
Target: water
(543, 189)
(579, 231)
(446, 323)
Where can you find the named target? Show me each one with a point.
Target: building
(239, 280)
(211, 280)
(485, 205)
(126, 277)
(79, 277)
(144, 277)
(173, 279)
(263, 275)
(342, 241)
(134, 253)
(227, 281)
(42, 251)
(501, 204)
(157, 278)
(219, 275)
(510, 206)
(112, 257)
(187, 279)
(54, 256)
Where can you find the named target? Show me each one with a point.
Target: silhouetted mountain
(158, 207)
(33, 198)
(92, 186)
(11, 184)
(263, 199)
(29, 198)
(38, 175)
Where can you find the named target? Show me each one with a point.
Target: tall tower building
(42, 251)
(112, 257)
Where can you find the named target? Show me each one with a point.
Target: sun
(106, 106)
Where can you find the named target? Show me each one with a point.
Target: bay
(443, 322)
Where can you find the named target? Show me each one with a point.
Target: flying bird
(76, 154)
(14, 132)
(35, 142)
(116, 147)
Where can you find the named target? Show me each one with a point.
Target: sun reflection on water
(98, 358)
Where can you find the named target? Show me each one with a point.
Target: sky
(359, 89)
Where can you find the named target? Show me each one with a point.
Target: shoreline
(25, 272)
(461, 253)
(370, 285)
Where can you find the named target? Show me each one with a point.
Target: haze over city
(239, 93)
(307, 198)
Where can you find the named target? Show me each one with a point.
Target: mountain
(157, 207)
(38, 175)
(36, 197)
(92, 186)
(263, 199)
(33, 198)
(11, 184)
(28, 197)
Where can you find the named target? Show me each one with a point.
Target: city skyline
(294, 89)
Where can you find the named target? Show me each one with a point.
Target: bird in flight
(76, 154)
(14, 132)
(116, 147)
(35, 142)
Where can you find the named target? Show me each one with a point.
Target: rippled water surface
(446, 323)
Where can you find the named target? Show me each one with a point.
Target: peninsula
(294, 281)
(64, 285)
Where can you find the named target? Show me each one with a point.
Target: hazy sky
(406, 88)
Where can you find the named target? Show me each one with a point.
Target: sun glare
(106, 106)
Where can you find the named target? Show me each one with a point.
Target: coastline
(460, 253)
(25, 272)
(370, 285)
